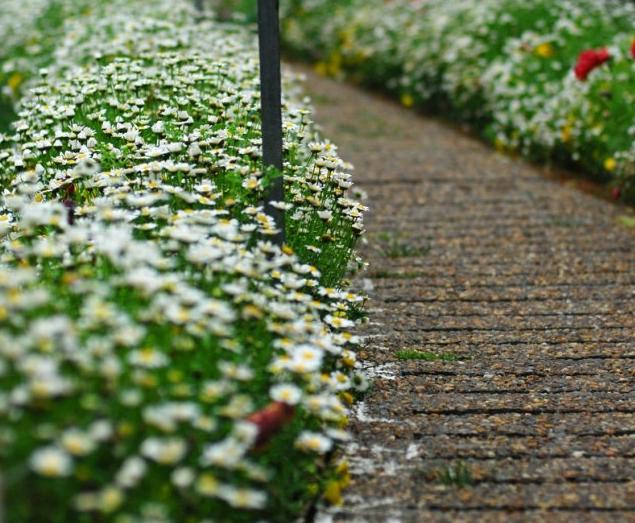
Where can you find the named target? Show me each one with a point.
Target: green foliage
(505, 66)
(412, 354)
(456, 475)
(398, 245)
(146, 323)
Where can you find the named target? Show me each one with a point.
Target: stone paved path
(527, 286)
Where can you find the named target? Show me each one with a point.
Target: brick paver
(527, 285)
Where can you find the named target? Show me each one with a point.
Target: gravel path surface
(520, 291)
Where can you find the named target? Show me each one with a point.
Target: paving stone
(390, 514)
(518, 289)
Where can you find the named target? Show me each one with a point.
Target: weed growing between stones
(396, 275)
(411, 354)
(397, 245)
(456, 475)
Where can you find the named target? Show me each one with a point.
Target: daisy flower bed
(160, 359)
(29, 32)
(554, 80)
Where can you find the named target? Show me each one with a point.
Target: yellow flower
(251, 311)
(333, 493)
(342, 471)
(147, 380)
(175, 376)
(342, 422)
(407, 100)
(610, 164)
(348, 360)
(15, 81)
(335, 64)
(320, 68)
(110, 499)
(69, 278)
(342, 467)
(565, 134)
(125, 429)
(207, 485)
(348, 38)
(499, 144)
(347, 397)
(77, 443)
(545, 50)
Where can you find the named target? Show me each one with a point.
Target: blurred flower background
(552, 80)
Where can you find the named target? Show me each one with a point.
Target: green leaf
(627, 221)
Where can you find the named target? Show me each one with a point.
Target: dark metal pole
(271, 102)
(2, 496)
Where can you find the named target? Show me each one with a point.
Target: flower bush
(160, 359)
(18, 29)
(551, 79)
(29, 31)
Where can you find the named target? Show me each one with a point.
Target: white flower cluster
(29, 31)
(17, 28)
(160, 359)
(507, 66)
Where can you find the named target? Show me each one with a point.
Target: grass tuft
(411, 354)
(393, 275)
(397, 245)
(456, 475)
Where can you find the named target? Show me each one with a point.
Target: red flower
(633, 49)
(589, 60)
(270, 420)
